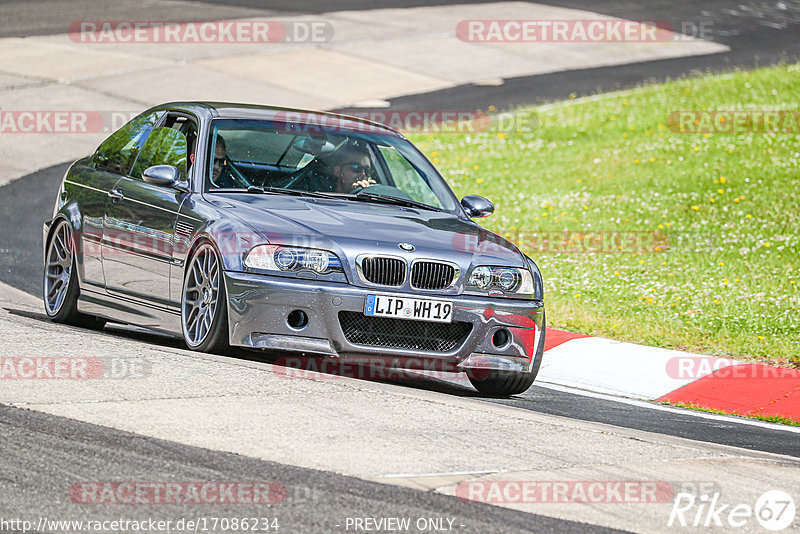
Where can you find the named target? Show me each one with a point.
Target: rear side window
(118, 152)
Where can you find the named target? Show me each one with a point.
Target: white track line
(666, 408)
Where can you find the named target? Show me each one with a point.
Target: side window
(118, 152)
(164, 146)
(188, 127)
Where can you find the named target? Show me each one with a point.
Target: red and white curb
(635, 371)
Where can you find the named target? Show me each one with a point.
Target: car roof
(230, 110)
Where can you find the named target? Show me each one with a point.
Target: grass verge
(644, 233)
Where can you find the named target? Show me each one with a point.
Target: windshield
(341, 163)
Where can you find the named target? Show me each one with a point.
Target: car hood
(350, 229)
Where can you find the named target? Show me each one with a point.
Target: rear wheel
(505, 383)
(60, 284)
(204, 314)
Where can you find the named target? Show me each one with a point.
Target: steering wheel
(232, 175)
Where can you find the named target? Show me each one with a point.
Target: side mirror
(164, 176)
(477, 206)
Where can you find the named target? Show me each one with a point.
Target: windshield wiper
(388, 199)
(284, 191)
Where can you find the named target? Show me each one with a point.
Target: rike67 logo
(774, 510)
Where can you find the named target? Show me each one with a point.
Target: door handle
(116, 194)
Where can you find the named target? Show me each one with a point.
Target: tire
(505, 383)
(60, 287)
(204, 310)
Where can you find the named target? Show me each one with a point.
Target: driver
(224, 174)
(352, 168)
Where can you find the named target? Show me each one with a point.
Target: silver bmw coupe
(290, 230)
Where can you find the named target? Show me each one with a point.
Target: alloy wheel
(200, 292)
(58, 269)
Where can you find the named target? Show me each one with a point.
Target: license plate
(438, 311)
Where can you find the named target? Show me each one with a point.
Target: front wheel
(204, 314)
(499, 383)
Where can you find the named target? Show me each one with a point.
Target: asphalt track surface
(44, 455)
(27, 437)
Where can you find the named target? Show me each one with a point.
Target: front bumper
(258, 307)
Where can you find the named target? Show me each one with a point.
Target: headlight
(292, 259)
(508, 279)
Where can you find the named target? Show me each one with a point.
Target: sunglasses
(220, 161)
(357, 168)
